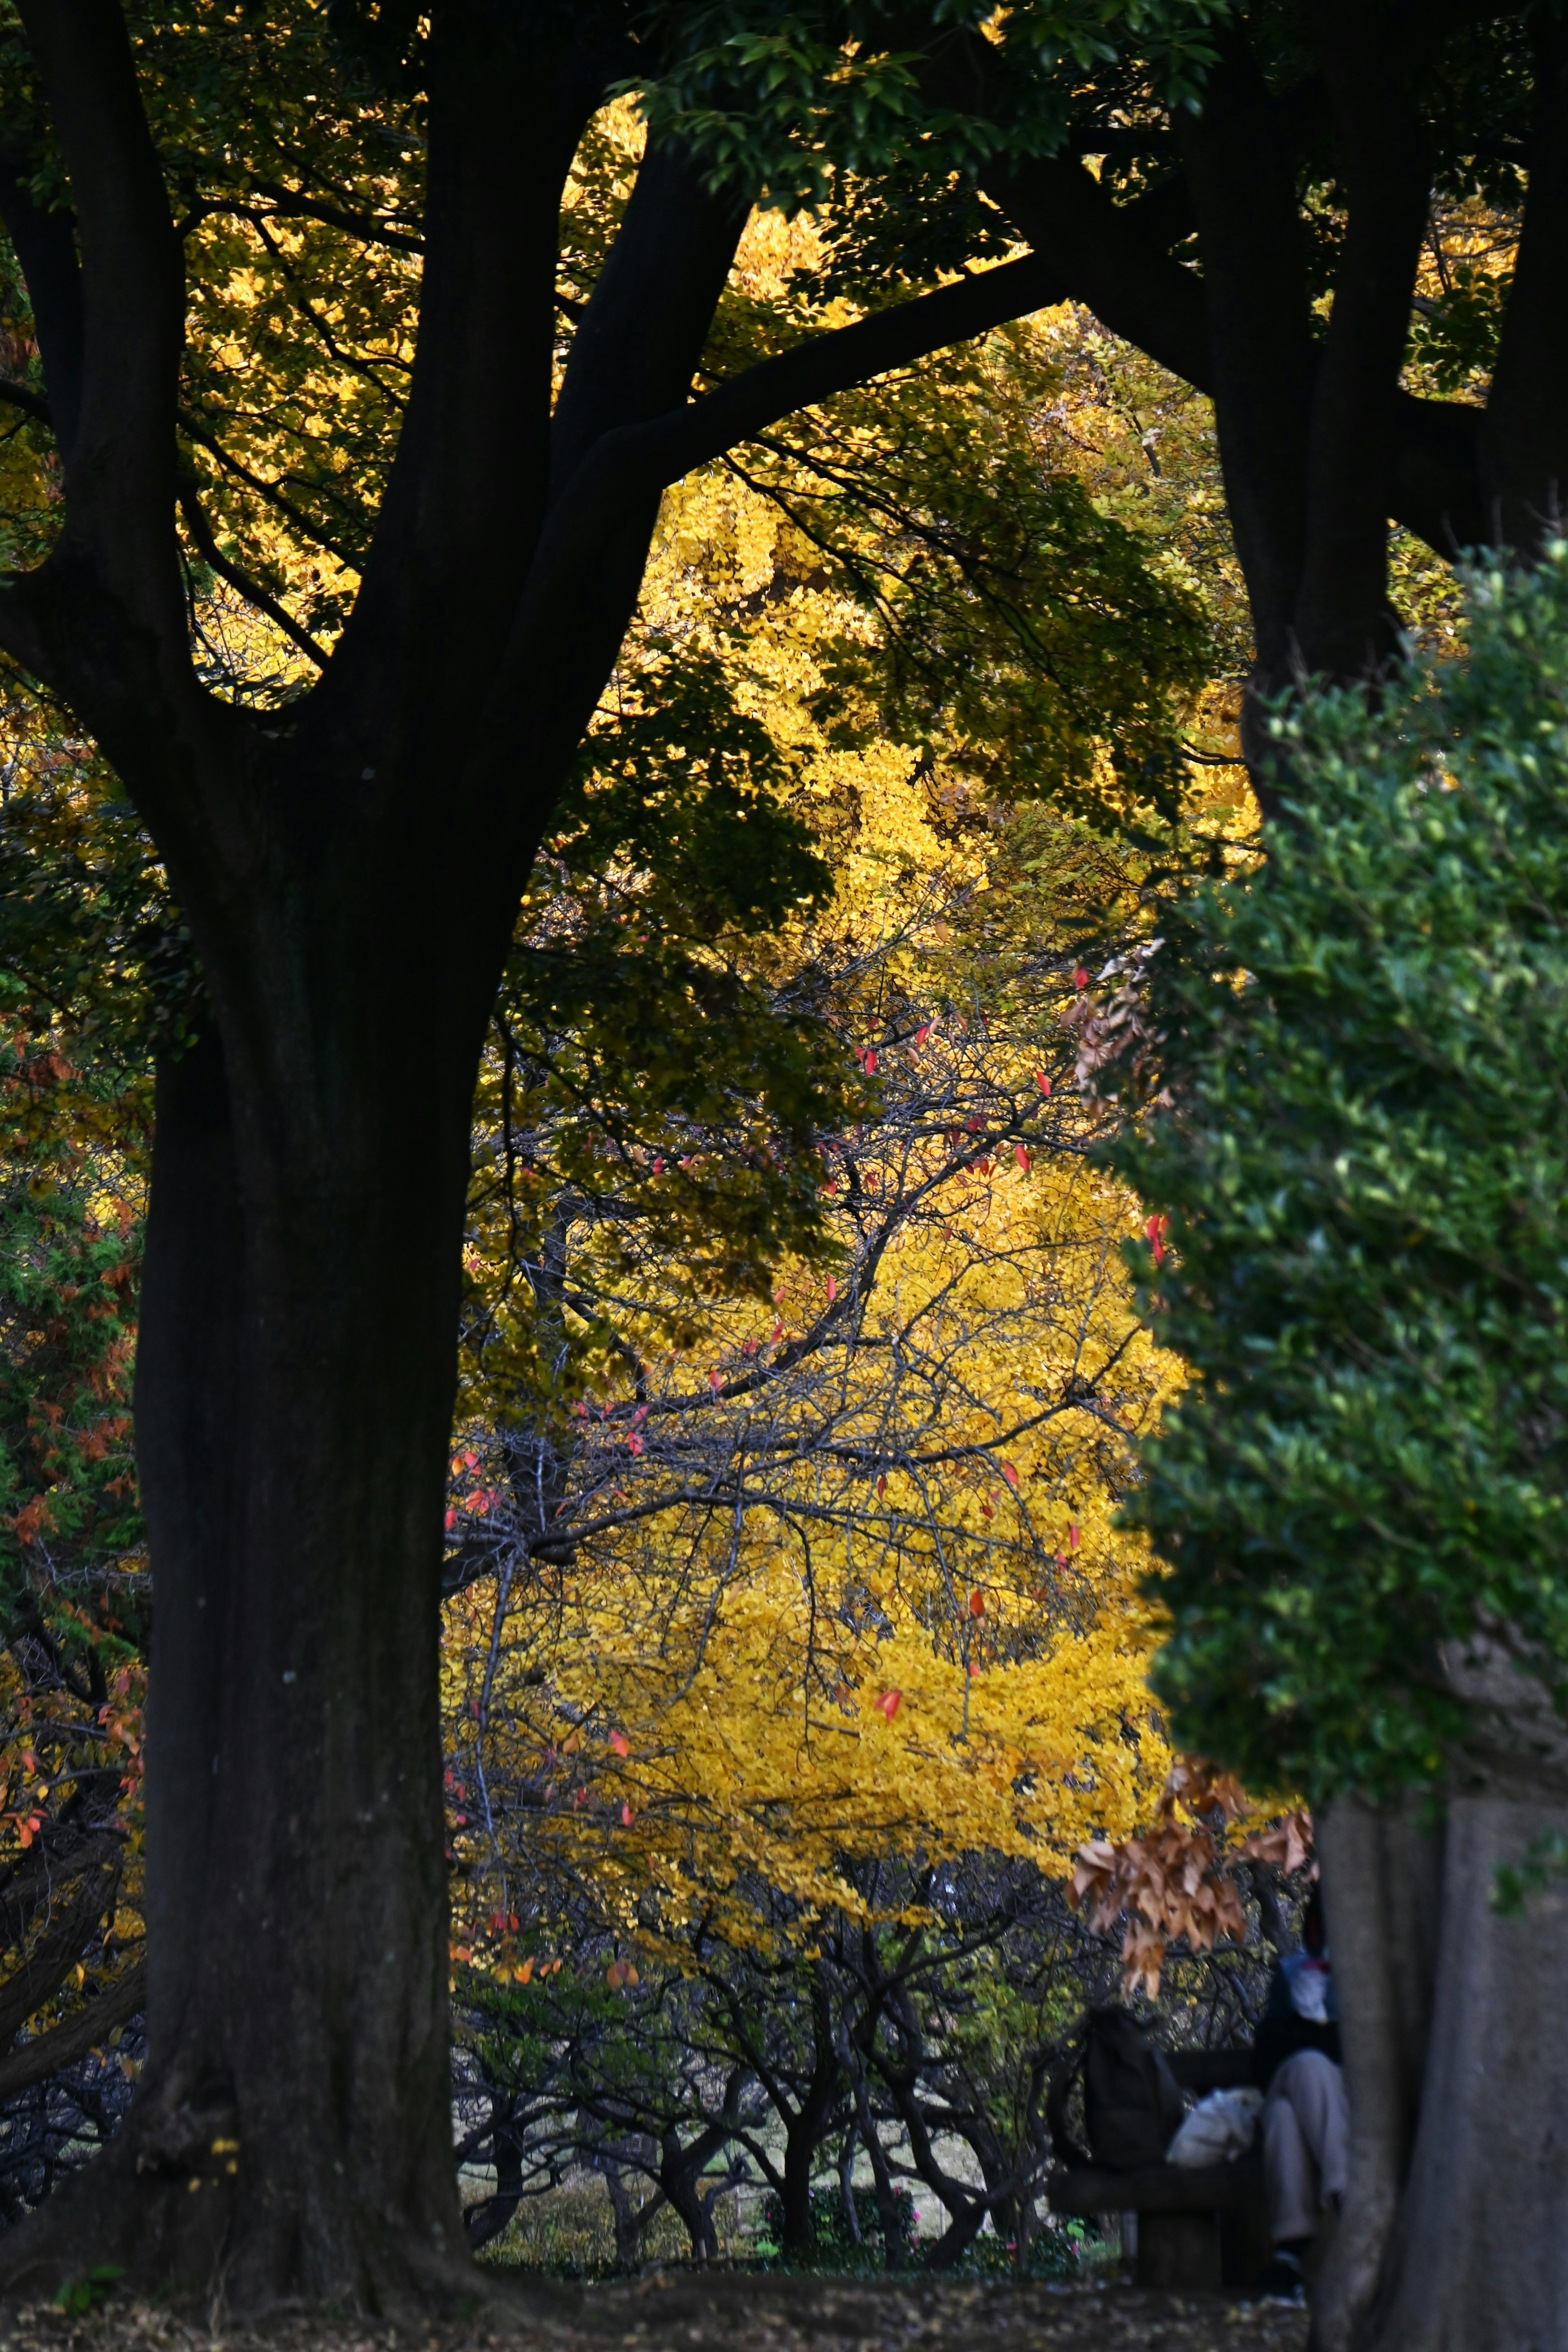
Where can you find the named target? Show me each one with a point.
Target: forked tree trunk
(292, 2137)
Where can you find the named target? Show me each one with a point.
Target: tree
(293, 1398)
(1359, 1498)
(324, 844)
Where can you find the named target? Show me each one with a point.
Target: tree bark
(189, 1418)
(1382, 1893)
(1454, 2234)
(293, 2133)
(1480, 2260)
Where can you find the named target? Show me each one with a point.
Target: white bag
(1220, 2129)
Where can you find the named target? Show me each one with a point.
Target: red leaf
(619, 1744)
(1009, 1472)
(1042, 1082)
(1081, 978)
(977, 1604)
(625, 1817)
(1072, 1535)
(889, 1704)
(832, 1289)
(881, 1486)
(1022, 1156)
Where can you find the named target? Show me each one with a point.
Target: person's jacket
(1300, 2014)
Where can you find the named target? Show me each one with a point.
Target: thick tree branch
(467, 486)
(640, 460)
(45, 245)
(120, 470)
(58, 1949)
(36, 2060)
(1242, 179)
(1105, 257)
(1524, 440)
(1342, 620)
(31, 403)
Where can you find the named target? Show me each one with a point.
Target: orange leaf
(977, 1604)
(619, 1743)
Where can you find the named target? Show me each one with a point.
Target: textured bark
(190, 1422)
(1382, 1886)
(1480, 2257)
(1456, 2227)
(294, 2124)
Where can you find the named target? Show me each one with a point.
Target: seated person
(1306, 2116)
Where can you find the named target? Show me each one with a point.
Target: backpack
(1132, 2102)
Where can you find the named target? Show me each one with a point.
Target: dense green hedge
(1362, 1161)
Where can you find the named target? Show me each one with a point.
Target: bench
(1199, 2228)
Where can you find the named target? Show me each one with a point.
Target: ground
(734, 2312)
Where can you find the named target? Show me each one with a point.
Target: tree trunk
(1479, 2261)
(1382, 1890)
(292, 2137)
(486, 2221)
(1455, 2235)
(187, 1409)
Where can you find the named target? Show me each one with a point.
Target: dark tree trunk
(294, 2129)
(1381, 1884)
(189, 1418)
(808, 2125)
(680, 2169)
(485, 2221)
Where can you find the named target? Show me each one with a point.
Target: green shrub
(1363, 1155)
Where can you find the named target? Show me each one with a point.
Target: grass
(568, 2232)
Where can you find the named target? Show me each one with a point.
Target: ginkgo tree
(814, 1600)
